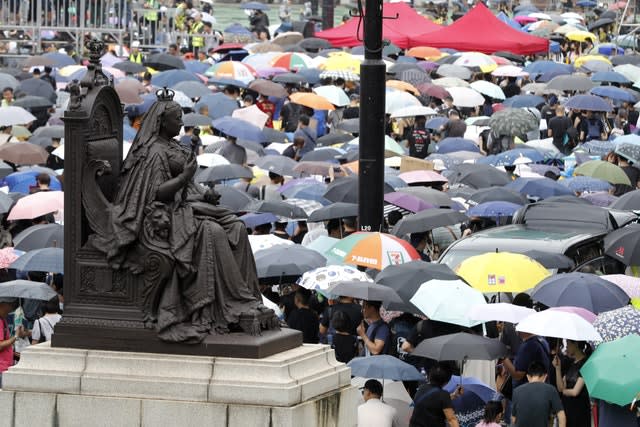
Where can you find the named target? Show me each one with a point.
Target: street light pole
(372, 100)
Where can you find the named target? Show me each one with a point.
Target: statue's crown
(165, 94)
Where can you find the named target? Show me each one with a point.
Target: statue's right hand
(190, 168)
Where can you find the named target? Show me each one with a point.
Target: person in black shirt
(512, 88)
(303, 318)
(419, 139)
(352, 310)
(293, 150)
(557, 129)
(344, 344)
(432, 405)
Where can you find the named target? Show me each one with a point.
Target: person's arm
(575, 391)
(376, 346)
(7, 343)
(407, 346)
(549, 133)
(559, 380)
(562, 419)
(450, 415)
(517, 375)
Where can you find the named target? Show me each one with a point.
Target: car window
(602, 265)
(583, 252)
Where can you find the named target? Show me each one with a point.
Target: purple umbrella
(601, 198)
(582, 312)
(407, 201)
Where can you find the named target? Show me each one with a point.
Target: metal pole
(372, 99)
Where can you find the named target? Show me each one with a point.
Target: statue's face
(161, 223)
(172, 121)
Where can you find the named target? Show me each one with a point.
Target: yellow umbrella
(583, 59)
(581, 36)
(70, 69)
(502, 272)
(341, 61)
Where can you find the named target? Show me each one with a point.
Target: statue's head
(170, 113)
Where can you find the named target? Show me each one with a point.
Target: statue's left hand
(212, 196)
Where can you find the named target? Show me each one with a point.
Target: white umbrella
(333, 94)
(559, 324)
(509, 71)
(10, 116)
(183, 100)
(447, 82)
(487, 88)
(207, 17)
(59, 152)
(265, 241)
(572, 15)
(465, 97)
(397, 99)
(539, 15)
(545, 144)
(502, 312)
(210, 159)
(450, 70)
(252, 115)
(630, 71)
(413, 111)
(448, 301)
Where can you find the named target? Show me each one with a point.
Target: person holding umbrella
(432, 405)
(376, 337)
(574, 394)
(7, 305)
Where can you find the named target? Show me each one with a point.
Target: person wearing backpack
(43, 327)
(592, 127)
(532, 349)
(377, 336)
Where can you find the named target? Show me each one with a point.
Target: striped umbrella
(513, 121)
(373, 250)
(232, 70)
(292, 61)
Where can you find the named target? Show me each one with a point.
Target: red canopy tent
(479, 30)
(399, 31)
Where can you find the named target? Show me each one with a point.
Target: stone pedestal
(304, 386)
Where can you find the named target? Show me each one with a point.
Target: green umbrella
(612, 373)
(513, 122)
(603, 170)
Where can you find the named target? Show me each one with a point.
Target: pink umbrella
(582, 312)
(629, 284)
(37, 204)
(522, 19)
(266, 72)
(7, 256)
(618, 5)
(413, 177)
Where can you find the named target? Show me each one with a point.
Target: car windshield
(453, 258)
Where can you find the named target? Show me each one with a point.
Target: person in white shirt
(373, 412)
(43, 327)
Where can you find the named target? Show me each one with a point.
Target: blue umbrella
(238, 128)
(224, 81)
(255, 5)
(588, 102)
(539, 188)
(447, 161)
(26, 289)
(627, 139)
(511, 22)
(384, 367)
(523, 101)
(586, 3)
(170, 78)
(395, 181)
(472, 385)
(610, 49)
(49, 260)
(237, 29)
(128, 132)
(196, 66)
(549, 75)
(311, 75)
(219, 105)
(252, 220)
(584, 290)
(541, 67)
(580, 184)
(602, 199)
(509, 157)
(436, 123)
(20, 182)
(60, 59)
(610, 77)
(613, 93)
(596, 148)
(451, 145)
(494, 209)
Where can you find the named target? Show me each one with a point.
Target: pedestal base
(304, 386)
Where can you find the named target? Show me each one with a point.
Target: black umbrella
(31, 101)
(223, 172)
(232, 198)
(163, 62)
(42, 141)
(280, 165)
(460, 346)
(287, 260)
(407, 278)
(321, 155)
(195, 119)
(347, 190)
(625, 59)
(272, 135)
(367, 291)
(334, 210)
(290, 78)
(251, 145)
(40, 236)
(333, 138)
(628, 202)
(314, 43)
(36, 87)
(55, 131)
(478, 176)
(427, 220)
(349, 125)
(191, 88)
(130, 67)
(588, 291)
(511, 56)
(496, 194)
(283, 209)
(551, 259)
(6, 202)
(601, 23)
(624, 244)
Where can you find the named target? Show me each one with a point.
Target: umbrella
(559, 324)
(314, 43)
(322, 279)
(292, 61)
(524, 101)
(630, 152)
(38, 61)
(277, 164)
(610, 77)
(466, 97)
(596, 148)
(501, 312)
(268, 88)
(580, 290)
(600, 198)
(223, 172)
(502, 272)
(413, 111)
(238, 128)
(347, 190)
(130, 67)
(334, 210)
(428, 195)
(471, 385)
(7, 80)
(588, 102)
(219, 105)
(373, 249)
(47, 260)
(287, 260)
(6, 202)
(421, 176)
(11, 115)
(280, 208)
(254, 5)
(451, 70)
(540, 188)
(288, 38)
(289, 78)
(23, 181)
(40, 236)
(311, 100)
(30, 101)
(26, 289)
(448, 301)
(254, 116)
(574, 82)
(619, 323)
(580, 184)
(384, 367)
(487, 88)
(232, 198)
(129, 91)
(37, 204)
(259, 242)
(494, 210)
(453, 144)
(367, 291)
(232, 70)
(628, 201)
(163, 62)
(602, 170)
(340, 74)
(460, 346)
(551, 260)
(478, 176)
(513, 121)
(396, 100)
(509, 71)
(623, 244)
(195, 119)
(171, 78)
(191, 88)
(210, 159)
(497, 194)
(333, 94)
(432, 90)
(612, 371)
(407, 201)
(252, 220)
(629, 284)
(427, 220)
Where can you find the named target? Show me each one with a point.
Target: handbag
(506, 389)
